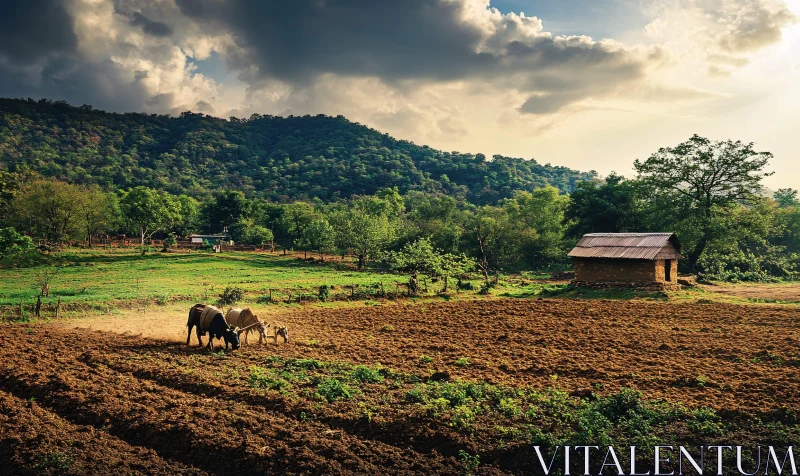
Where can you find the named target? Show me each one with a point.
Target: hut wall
(660, 271)
(616, 270)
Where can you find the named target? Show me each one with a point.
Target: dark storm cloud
(33, 29)
(422, 40)
(155, 28)
(297, 40)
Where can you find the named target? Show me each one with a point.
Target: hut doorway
(668, 270)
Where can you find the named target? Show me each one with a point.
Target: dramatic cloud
(33, 29)
(420, 41)
(754, 25)
(725, 31)
(454, 74)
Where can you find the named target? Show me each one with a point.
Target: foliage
(148, 211)
(707, 174)
(230, 295)
(786, 197)
(365, 374)
(332, 389)
(613, 207)
(13, 245)
(277, 158)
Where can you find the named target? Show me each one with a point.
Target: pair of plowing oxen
(209, 320)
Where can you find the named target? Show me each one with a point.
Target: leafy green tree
(149, 211)
(258, 235)
(538, 217)
(50, 209)
(613, 207)
(227, 208)
(786, 197)
(451, 265)
(709, 175)
(190, 216)
(318, 236)
(13, 245)
(414, 259)
(363, 229)
(495, 242)
(437, 217)
(294, 220)
(98, 213)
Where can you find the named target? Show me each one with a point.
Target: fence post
(21, 315)
(58, 308)
(38, 306)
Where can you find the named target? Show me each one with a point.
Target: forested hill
(270, 157)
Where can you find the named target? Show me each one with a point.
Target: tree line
(280, 159)
(708, 192)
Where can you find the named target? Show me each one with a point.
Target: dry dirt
(120, 404)
(759, 291)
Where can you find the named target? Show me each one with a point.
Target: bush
(170, 240)
(265, 378)
(332, 389)
(324, 293)
(365, 374)
(14, 245)
(230, 295)
(462, 362)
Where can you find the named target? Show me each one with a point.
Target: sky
(588, 84)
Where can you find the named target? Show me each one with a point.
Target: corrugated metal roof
(650, 246)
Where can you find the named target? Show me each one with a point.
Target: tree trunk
(694, 256)
(361, 262)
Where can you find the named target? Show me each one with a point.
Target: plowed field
(88, 402)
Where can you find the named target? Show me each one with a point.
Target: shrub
(324, 293)
(305, 364)
(332, 389)
(462, 361)
(13, 245)
(470, 462)
(621, 404)
(365, 374)
(265, 378)
(706, 422)
(230, 295)
(462, 417)
(425, 359)
(509, 407)
(416, 396)
(56, 462)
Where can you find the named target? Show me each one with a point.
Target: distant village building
(215, 240)
(627, 259)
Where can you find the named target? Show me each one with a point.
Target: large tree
(613, 207)
(98, 213)
(50, 209)
(709, 175)
(149, 211)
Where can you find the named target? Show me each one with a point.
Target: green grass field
(103, 276)
(102, 280)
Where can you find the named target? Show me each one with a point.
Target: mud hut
(638, 260)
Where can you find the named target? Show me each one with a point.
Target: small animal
(208, 319)
(279, 330)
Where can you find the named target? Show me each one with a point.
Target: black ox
(216, 328)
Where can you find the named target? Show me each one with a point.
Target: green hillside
(276, 158)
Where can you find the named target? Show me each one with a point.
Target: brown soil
(758, 291)
(128, 404)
